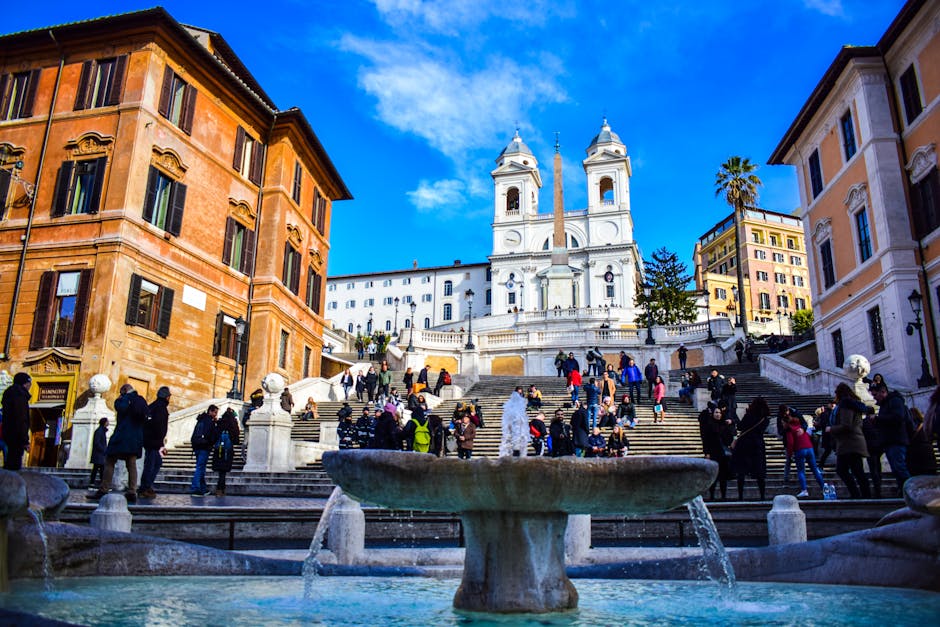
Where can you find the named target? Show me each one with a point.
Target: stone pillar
(786, 522)
(112, 514)
(577, 537)
(269, 447)
(328, 435)
(346, 531)
(85, 422)
(701, 396)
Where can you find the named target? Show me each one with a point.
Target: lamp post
(708, 315)
(734, 306)
(235, 393)
(411, 331)
(780, 322)
(468, 296)
(395, 328)
(916, 301)
(647, 292)
(358, 331)
(369, 325)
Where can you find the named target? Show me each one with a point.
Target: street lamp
(369, 324)
(358, 331)
(411, 331)
(648, 292)
(916, 301)
(734, 306)
(395, 328)
(708, 316)
(235, 393)
(468, 296)
(780, 322)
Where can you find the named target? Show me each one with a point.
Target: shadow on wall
(436, 362)
(695, 359)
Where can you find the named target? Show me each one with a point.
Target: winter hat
(163, 392)
(22, 377)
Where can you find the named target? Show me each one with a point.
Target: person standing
(560, 363)
(846, 430)
(154, 441)
(729, 394)
(201, 442)
(466, 433)
(571, 364)
(347, 381)
(800, 447)
(574, 385)
(650, 373)
(717, 436)
(538, 431)
(739, 350)
(659, 397)
(579, 431)
(515, 426)
(409, 380)
(385, 381)
(346, 432)
(422, 379)
(683, 356)
(371, 380)
(443, 378)
(634, 379)
(592, 396)
(126, 443)
(715, 384)
(287, 400)
(892, 424)
(748, 452)
(608, 386)
(224, 440)
(16, 420)
(387, 432)
(99, 445)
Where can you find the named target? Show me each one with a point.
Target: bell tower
(517, 183)
(608, 171)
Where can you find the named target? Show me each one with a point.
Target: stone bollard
(85, 422)
(577, 537)
(346, 531)
(112, 514)
(786, 522)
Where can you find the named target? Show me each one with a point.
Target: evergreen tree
(669, 301)
(802, 321)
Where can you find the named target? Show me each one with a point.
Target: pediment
(91, 143)
(512, 166)
(605, 155)
(169, 161)
(52, 361)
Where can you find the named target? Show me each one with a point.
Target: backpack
(422, 440)
(224, 449)
(446, 378)
(202, 435)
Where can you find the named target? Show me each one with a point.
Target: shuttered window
(298, 178)
(177, 101)
(78, 187)
(100, 83)
(17, 94)
(318, 216)
(164, 202)
(61, 308)
(248, 156)
(314, 289)
(149, 305)
(290, 275)
(238, 250)
(5, 180)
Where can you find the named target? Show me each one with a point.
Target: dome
(515, 147)
(606, 136)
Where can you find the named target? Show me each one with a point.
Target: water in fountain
(36, 515)
(311, 563)
(717, 565)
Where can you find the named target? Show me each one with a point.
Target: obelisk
(560, 277)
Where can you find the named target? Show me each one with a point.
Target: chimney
(456, 262)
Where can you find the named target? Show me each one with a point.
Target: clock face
(512, 239)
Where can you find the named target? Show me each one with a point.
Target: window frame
(849, 145)
(175, 87)
(159, 318)
(48, 310)
(92, 92)
(448, 312)
(448, 288)
(863, 235)
(175, 191)
(233, 231)
(314, 291)
(297, 187)
(838, 348)
(909, 90)
(17, 103)
(290, 269)
(876, 330)
(816, 181)
(64, 198)
(827, 267)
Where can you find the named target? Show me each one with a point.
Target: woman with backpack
(417, 433)
(225, 438)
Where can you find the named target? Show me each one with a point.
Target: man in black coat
(154, 441)
(99, 446)
(579, 430)
(16, 420)
(126, 442)
(893, 427)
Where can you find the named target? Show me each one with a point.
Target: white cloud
(445, 194)
(453, 16)
(832, 8)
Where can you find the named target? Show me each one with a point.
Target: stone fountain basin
(633, 485)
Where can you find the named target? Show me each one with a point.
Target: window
(774, 240)
(248, 157)
(448, 288)
(308, 352)
(757, 237)
(318, 217)
(407, 323)
(425, 298)
(425, 279)
(149, 306)
(368, 284)
(606, 189)
(298, 179)
(838, 352)
(388, 325)
(290, 272)
(762, 276)
(164, 202)
(17, 94)
(721, 293)
(848, 135)
(815, 173)
(512, 298)
(779, 258)
(406, 300)
(780, 277)
(448, 311)
(177, 101)
(512, 200)
(796, 261)
(332, 305)
(349, 327)
(427, 323)
(764, 298)
(825, 259)
(282, 350)
(78, 187)
(406, 281)
(733, 261)
(864, 235)
(61, 307)
(350, 304)
(797, 281)
(350, 285)
(760, 254)
(314, 289)
(783, 301)
(609, 290)
(910, 94)
(723, 267)
(800, 303)
(925, 199)
(369, 302)
(791, 244)
(5, 179)
(100, 83)
(238, 249)
(875, 330)
(489, 273)
(489, 296)
(388, 300)
(226, 341)
(387, 283)
(331, 287)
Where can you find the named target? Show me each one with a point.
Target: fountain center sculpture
(515, 510)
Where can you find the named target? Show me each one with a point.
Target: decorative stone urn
(515, 510)
(85, 421)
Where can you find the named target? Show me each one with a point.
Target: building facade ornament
(857, 196)
(242, 212)
(90, 144)
(169, 161)
(822, 230)
(294, 236)
(923, 160)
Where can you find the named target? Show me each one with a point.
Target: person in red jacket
(574, 384)
(800, 447)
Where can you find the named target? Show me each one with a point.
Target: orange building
(152, 197)
(864, 146)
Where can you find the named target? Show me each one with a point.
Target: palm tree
(737, 181)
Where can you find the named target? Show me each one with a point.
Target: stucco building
(864, 149)
(153, 195)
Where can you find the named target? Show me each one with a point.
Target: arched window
(349, 328)
(448, 311)
(607, 191)
(388, 325)
(448, 288)
(570, 241)
(407, 323)
(512, 200)
(427, 323)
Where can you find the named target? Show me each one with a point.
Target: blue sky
(414, 100)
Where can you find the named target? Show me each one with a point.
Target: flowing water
(46, 562)
(717, 565)
(311, 563)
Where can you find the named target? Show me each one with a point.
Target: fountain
(515, 510)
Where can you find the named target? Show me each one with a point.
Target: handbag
(450, 443)
(657, 408)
